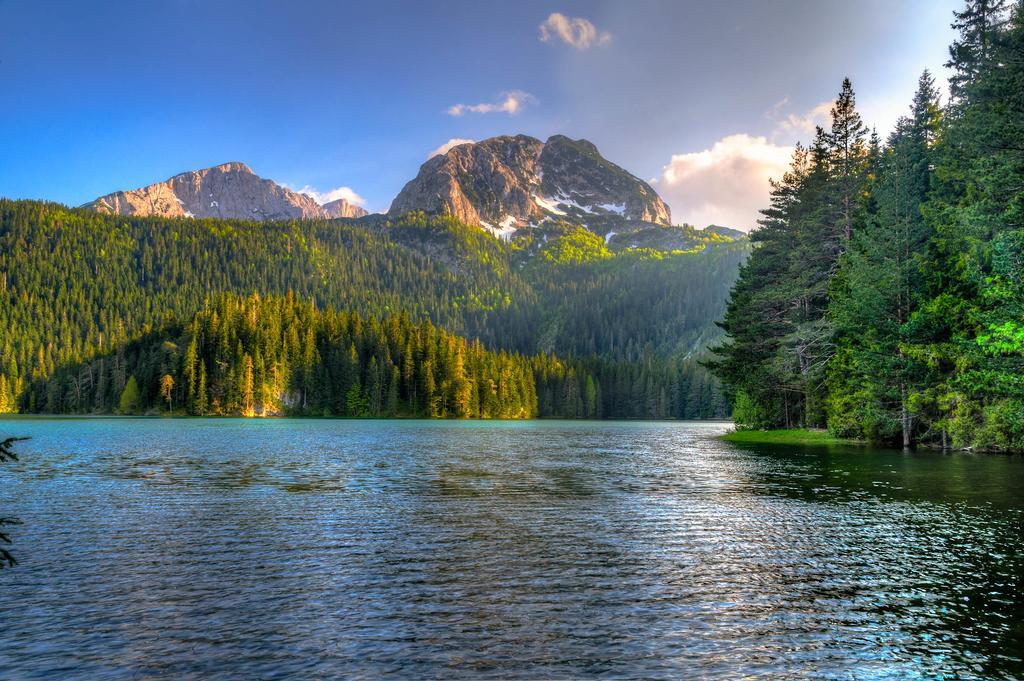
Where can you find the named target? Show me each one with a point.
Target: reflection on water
(423, 549)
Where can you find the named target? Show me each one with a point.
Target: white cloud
(775, 109)
(511, 102)
(726, 184)
(443, 149)
(346, 193)
(801, 126)
(575, 31)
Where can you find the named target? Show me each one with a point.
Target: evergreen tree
(881, 286)
(356, 403)
(200, 402)
(130, 397)
(848, 156)
(167, 390)
(970, 55)
(886, 283)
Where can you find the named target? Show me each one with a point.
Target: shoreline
(787, 436)
(221, 417)
(820, 437)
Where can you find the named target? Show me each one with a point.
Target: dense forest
(89, 301)
(884, 297)
(256, 356)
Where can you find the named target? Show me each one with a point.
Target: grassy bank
(793, 436)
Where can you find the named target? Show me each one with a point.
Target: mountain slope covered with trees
(77, 288)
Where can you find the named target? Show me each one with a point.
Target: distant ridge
(725, 231)
(228, 190)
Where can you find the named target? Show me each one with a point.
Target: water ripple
(281, 549)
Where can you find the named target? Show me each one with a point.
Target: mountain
(612, 304)
(500, 184)
(506, 183)
(230, 190)
(341, 208)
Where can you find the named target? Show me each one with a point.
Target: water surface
(284, 548)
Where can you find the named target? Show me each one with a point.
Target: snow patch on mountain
(565, 200)
(548, 205)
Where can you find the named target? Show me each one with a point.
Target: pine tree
(189, 368)
(130, 397)
(848, 156)
(375, 388)
(881, 286)
(392, 404)
(462, 387)
(167, 390)
(355, 401)
(200, 405)
(977, 211)
(246, 386)
(969, 56)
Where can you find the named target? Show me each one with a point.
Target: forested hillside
(79, 289)
(885, 294)
(266, 356)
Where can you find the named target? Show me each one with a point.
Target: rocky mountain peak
(575, 171)
(479, 183)
(581, 145)
(229, 190)
(342, 208)
(505, 183)
(230, 167)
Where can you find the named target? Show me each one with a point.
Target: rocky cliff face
(582, 181)
(230, 190)
(505, 183)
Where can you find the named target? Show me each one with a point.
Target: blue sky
(705, 98)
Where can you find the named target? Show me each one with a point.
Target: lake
(330, 548)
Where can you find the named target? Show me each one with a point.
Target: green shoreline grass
(793, 436)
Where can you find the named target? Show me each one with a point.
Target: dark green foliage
(975, 306)
(6, 557)
(781, 339)
(651, 388)
(7, 449)
(7, 454)
(909, 325)
(632, 303)
(880, 287)
(259, 356)
(76, 284)
(975, 49)
(77, 289)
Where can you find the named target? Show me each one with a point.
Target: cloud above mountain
(346, 193)
(511, 102)
(576, 32)
(453, 142)
(726, 184)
